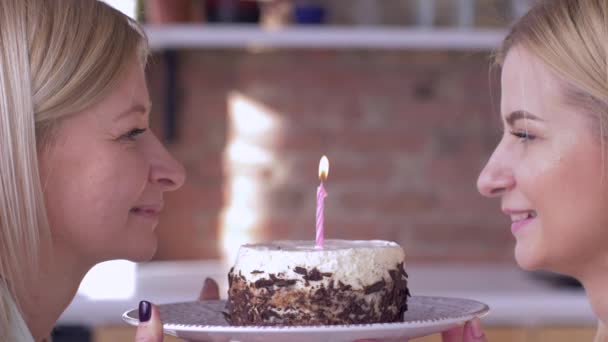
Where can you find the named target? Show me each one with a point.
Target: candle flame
(323, 168)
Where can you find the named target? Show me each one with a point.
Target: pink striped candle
(321, 194)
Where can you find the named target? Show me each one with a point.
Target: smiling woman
(543, 163)
(108, 150)
(549, 168)
(81, 176)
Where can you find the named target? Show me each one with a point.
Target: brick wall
(406, 134)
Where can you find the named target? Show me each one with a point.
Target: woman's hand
(470, 332)
(150, 328)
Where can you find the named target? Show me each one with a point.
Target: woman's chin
(142, 251)
(527, 259)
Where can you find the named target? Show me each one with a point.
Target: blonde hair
(571, 38)
(57, 57)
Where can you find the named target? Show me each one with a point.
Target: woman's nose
(496, 178)
(165, 170)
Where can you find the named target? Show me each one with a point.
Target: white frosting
(354, 263)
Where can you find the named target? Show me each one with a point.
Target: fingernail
(476, 327)
(145, 311)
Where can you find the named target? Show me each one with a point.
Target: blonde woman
(81, 176)
(550, 170)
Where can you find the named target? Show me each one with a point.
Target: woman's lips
(520, 219)
(519, 225)
(149, 211)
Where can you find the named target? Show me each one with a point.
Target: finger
(210, 290)
(453, 335)
(473, 331)
(150, 328)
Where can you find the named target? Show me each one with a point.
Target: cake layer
(295, 283)
(355, 263)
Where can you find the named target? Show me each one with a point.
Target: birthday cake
(295, 283)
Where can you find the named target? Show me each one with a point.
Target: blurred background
(402, 98)
(397, 93)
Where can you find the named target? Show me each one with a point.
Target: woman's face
(104, 174)
(547, 171)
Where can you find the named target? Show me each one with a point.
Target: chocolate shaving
(285, 282)
(375, 287)
(280, 282)
(300, 270)
(343, 287)
(268, 314)
(314, 275)
(320, 294)
(230, 277)
(256, 272)
(393, 275)
(263, 283)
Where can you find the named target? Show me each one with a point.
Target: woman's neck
(598, 297)
(595, 282)
(49, 292)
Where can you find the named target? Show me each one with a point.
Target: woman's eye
(523, 135)
(132, 134)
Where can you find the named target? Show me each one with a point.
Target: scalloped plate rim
(171, 327)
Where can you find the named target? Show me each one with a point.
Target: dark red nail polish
(145, 311)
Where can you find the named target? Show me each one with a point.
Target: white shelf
(320, 37)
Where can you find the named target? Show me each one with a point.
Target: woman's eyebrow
(137, 108)
(520, 114)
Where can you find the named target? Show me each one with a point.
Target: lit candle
(321, 194)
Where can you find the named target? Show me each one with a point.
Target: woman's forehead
(527, 83)
(129, 92)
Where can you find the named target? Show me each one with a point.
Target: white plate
(204, 321)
